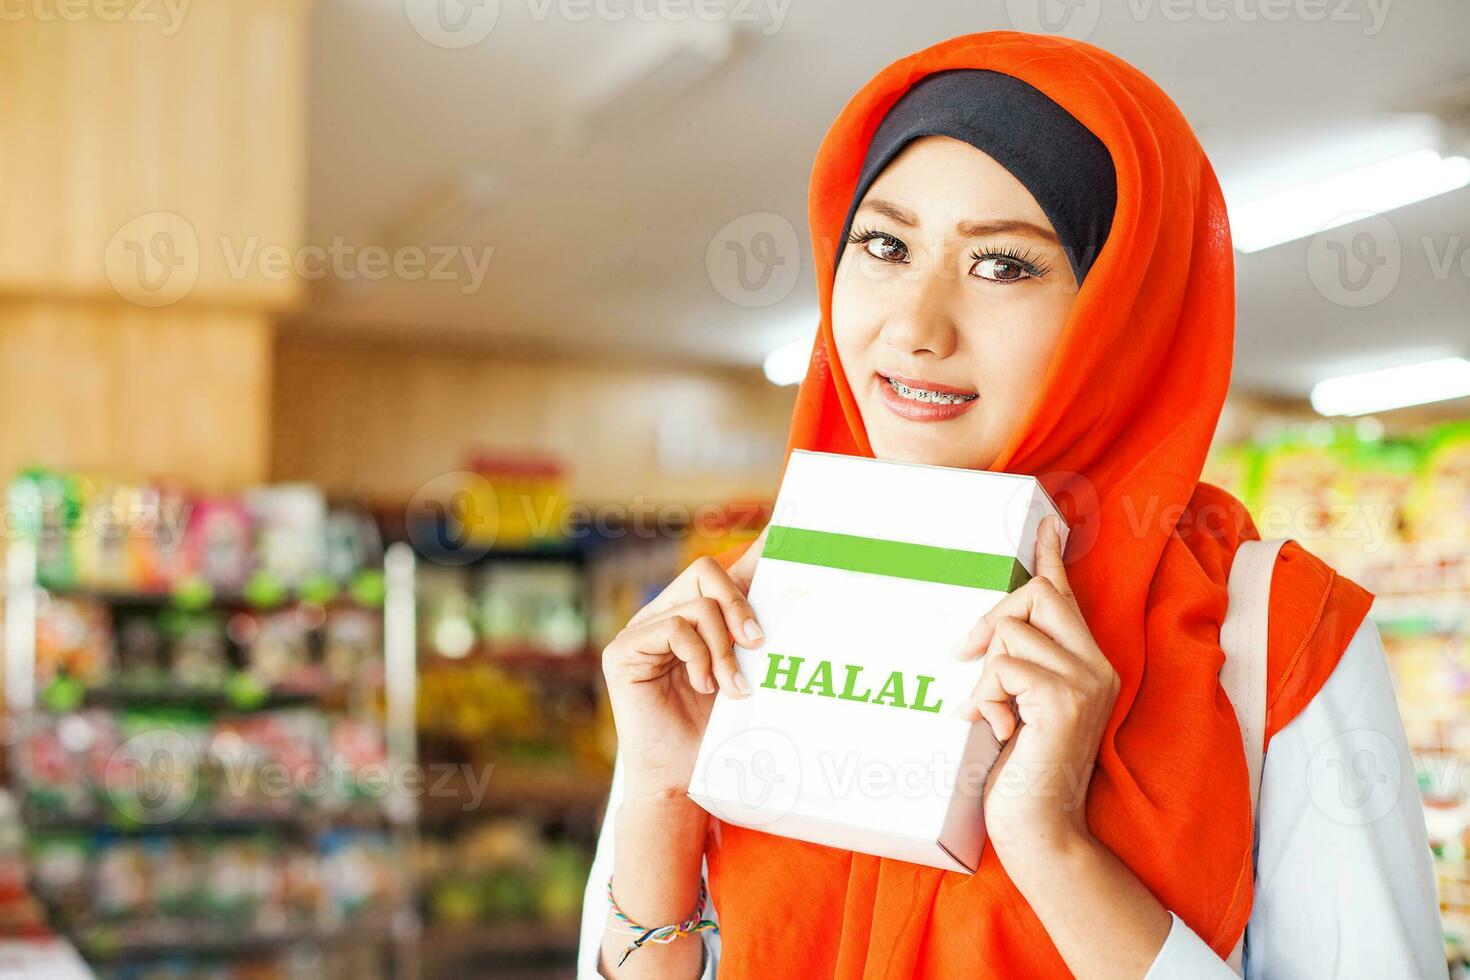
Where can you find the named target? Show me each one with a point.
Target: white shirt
(1344, 882)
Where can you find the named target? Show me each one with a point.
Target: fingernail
(709, 685)
(753, 633)
(742, 685)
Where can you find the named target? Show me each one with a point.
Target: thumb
(1049, 563)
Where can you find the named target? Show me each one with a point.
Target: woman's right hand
(664, 668)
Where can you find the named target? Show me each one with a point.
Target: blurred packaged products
(204, 775)
(478, 703)
(144, 767)
(74, 639)
(502, 871)
(533, 607)
(290, 533)
(217, 545)
(504, 609)
(97, 533)
(519, 500)
(21, 915)
(1440, 506)
(90, 646)
(1394, 515)
(149, 889)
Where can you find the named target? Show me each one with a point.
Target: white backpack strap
(1243, 637)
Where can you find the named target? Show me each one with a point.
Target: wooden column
(152, 156)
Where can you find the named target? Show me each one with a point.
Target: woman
(1024, 265)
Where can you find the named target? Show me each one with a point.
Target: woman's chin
(932, 445)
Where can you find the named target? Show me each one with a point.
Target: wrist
(657, 797)
(659, 853)
(672, 822)
(1046, 847)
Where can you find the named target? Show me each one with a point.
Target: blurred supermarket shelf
(150, 939)
(516, 789)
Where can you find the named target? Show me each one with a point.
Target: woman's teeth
(925, 395)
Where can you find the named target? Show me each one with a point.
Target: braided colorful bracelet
(663, 935)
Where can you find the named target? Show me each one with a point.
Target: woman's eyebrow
(977, 229)
(969, 229)
(890, 210)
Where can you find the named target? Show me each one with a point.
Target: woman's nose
(922, 322)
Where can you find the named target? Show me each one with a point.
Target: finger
(989, 702)
(1008, 679)
(686, 644)
(1049, 564)
(1000, 717)
(705, 577)
(681, 589)
(1039, 603)
(645, 651)
(713, 581)
(709, 620)
(1018, 638)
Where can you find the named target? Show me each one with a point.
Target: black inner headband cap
(1061, 162)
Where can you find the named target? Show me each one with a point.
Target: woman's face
(950, 297)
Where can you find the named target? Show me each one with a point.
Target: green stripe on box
(896, 559)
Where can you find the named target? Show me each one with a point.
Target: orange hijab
(1118, 435)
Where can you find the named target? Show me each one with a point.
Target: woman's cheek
(854, 326)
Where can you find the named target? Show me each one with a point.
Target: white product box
(872, 575)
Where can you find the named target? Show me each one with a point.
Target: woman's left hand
(1042, 664)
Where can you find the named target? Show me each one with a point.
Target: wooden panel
(175, 393)
(106, 120)
(378, 422)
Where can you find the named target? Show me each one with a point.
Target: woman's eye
(886, 247)
(998, 268)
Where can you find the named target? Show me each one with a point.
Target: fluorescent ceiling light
(786, 365)
(1399, 387)
(1345, 197)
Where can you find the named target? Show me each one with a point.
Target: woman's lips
(922, 411)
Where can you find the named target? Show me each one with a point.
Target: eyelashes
(862, 236)
(1026, 260)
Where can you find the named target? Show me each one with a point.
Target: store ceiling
(600, 240)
